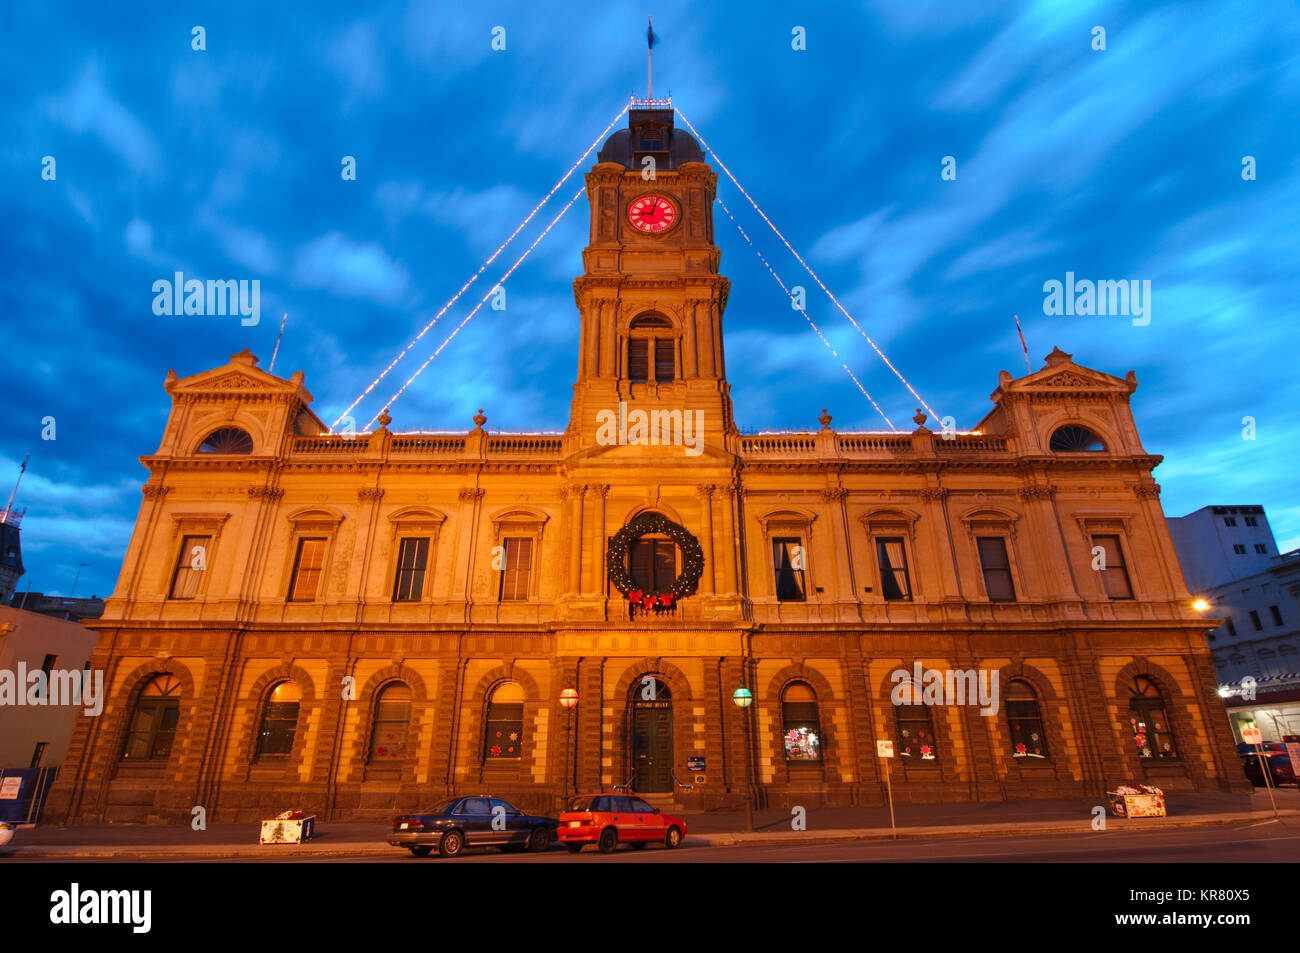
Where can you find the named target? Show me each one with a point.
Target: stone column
(690, 359)
(576, 492)
(608, 340)
(595, 581)
(701, 318)
(707, 586)
(729, 582)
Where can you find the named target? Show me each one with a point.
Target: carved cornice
(706, 489)
(155, 491)
(1027, 493)
(932, 494)
(1146, 491)
(832, 493)
(468, 493)
(272, 494)
(368, 493)
(600, 490)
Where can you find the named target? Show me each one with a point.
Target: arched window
(504, 738)
(916, 741)
(153, 723)
(803, 733)
(279, 721)
(1152, 734)
(1075, 439)
(227, 440)
(652, 561)
(392, 722)
(651, 349)
(1028, 740)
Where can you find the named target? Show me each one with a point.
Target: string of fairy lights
(491, 258)
(536, 241)
(798, 307)
(805, 264)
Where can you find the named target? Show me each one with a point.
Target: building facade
(355, 625)
(1231, 561)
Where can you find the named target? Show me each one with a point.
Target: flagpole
(1023, 346)
(649, 59)
(271, 369)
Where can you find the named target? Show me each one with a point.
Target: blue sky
(225, 163)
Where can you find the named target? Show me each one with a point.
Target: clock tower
(650, 299)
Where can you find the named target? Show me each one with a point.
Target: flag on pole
(650, 37)
(1023, 346)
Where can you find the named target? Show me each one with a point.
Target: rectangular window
(787, 557)
(638, 359)
(997, 569)
(1239, 549)
(191, 562)
(1261, 549)
(505, 731)
(38, 755)
(664, 361)
(412, 560)
(1232, 629)
(1114, 575)
(1254, 618)
(1250, 521)
(308, 567)
(1229, 521)
(894, 581)
(516, 569)
(652, 564)
(1276, 613)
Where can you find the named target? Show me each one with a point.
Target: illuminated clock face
(652, 213)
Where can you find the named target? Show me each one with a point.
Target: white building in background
(1230, 559)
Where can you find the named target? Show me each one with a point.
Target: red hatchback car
(607, 819)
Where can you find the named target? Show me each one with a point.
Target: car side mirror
(656, 810)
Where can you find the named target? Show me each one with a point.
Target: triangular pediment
(241, 374)
(1060, 374)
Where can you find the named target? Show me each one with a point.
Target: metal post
(749, 749)
(889, 787)
(1263, 766)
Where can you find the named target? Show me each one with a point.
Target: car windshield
(580, 803)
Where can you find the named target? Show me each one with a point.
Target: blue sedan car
(462, 822)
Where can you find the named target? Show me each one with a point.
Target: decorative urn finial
(824, 419)
(384, 419)
(920, 418)
(479, 419)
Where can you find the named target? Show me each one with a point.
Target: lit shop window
(504, 737)
(916, 740)
(1153, 736)
(1028, 739)
(799, 719)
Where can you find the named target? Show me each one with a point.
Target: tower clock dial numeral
(652, 213)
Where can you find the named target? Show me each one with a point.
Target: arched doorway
(652, 736)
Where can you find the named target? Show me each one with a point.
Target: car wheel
(673, 839)
(539, 840)
(608, 840)
(573, 848)
(422, 851)
(453, 842)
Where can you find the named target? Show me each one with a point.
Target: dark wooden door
(652, 746)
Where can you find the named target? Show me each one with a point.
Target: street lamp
(743, 698)
(569, 701)
(75, 578)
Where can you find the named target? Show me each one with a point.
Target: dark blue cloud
(226, 163)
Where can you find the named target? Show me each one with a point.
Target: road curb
(734, 839)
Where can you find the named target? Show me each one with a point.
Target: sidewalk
(772, 826)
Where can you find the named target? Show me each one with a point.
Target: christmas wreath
(685, 583)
